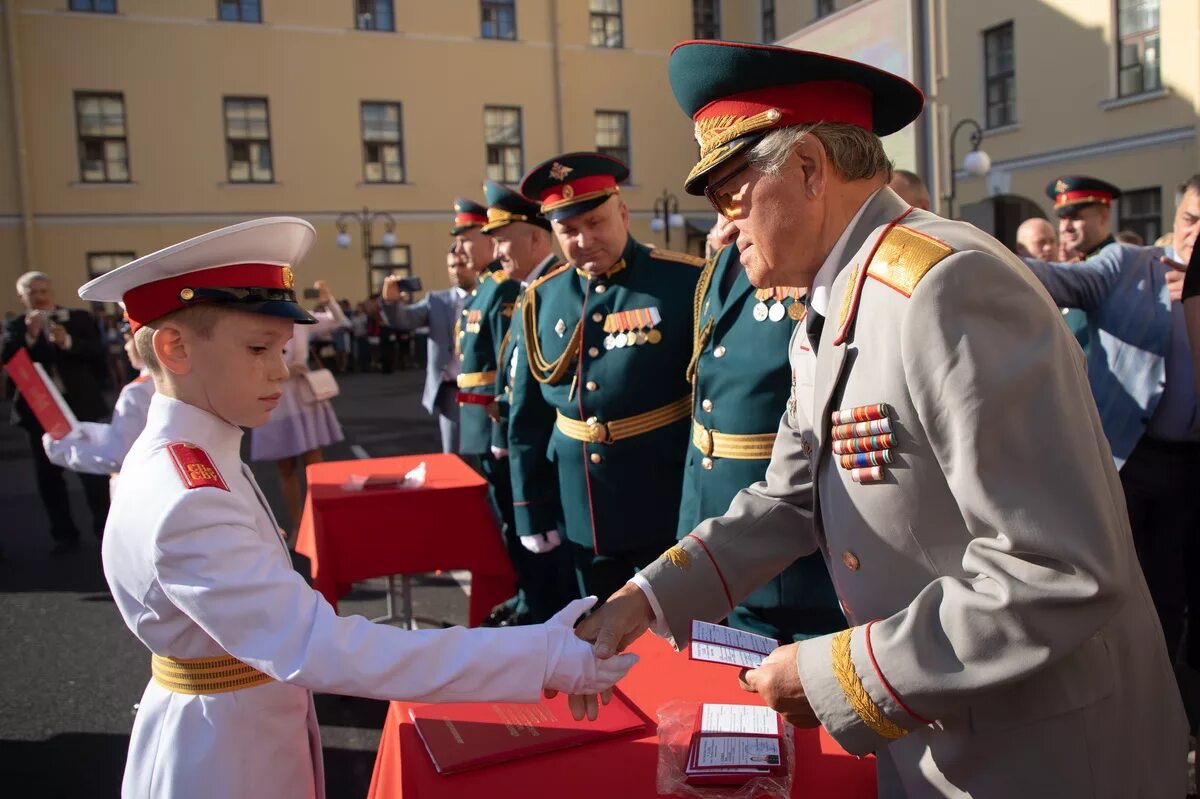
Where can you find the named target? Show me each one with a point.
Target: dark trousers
(1158, 479)
(544, 581)
(601, 575)
(52, 489)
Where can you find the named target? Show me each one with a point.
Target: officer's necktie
(814, 322)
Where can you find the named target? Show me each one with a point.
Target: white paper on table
(716, 751)
(415, 478)
(740, 719)
(716, 643)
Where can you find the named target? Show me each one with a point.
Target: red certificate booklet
(47, 404)
(464, 736)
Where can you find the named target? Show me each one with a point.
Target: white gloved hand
(498, 452)
(541, 543)
(571, 665)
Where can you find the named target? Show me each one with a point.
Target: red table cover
(623, 767)
(445, 524)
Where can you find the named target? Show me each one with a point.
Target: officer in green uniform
(524, 250)
(740, 382)
(599, 397)
(1084, 209)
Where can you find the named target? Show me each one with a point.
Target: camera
(409, 284)
(311, 293)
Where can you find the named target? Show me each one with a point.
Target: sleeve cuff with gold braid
(849, 694)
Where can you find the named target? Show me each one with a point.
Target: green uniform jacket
(742, 375)
(484, 324)
(618, 496)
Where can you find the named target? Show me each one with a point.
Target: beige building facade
(126, 125)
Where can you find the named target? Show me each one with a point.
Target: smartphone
(311, 293)
(409, 284)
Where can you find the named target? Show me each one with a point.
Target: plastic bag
(676, 723)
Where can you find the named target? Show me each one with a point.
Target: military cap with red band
(247, 267)
(737, 92)
(1072, 192)
(574, 183)
(467, 214)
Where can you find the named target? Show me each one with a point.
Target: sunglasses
(724, 200)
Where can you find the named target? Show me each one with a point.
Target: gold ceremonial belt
(713, 444)
(218, 675)
(476, 379)
(595, 431)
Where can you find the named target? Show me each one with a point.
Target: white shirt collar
(460, 292)
(818, 295)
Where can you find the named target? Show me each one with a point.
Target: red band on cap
(153, 300)
(577, 188)
(1082, 196)
(799, 103)
(470, 219)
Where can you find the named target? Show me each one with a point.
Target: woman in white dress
(301, 426)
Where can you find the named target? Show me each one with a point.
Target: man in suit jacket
(67, 343)
(439, 312)
(1140, 368)
(940, 447)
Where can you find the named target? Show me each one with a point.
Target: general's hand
(391, 289)
(323, 292)
(575, 666)
(778, 682)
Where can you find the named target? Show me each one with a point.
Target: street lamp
(666, 216)
(976, 162)
(366, 219)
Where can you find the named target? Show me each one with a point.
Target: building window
(499, 19)
(768, 20)
(239, 10)
(98, 263)
(1141, 211)
(607, 29)
(383, 144)
(1138, 54)
(97, 6)
(502, 132)
(103, 150)
(999, 77)
(824, 8)
(387, 261)
(706, 19)
(374, 15)
(612, 134)
(248, 140)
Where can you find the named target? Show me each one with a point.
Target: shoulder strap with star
(900, 259)
(678, 257)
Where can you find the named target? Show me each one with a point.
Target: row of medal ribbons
(632, 328)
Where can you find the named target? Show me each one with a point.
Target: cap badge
(1060, 187)
(568, 192)
(187, 295)
(289, 279)
(560, 172)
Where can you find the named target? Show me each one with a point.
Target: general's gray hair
(26, 280)
(854, 153)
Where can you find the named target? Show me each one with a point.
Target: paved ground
(72, 671)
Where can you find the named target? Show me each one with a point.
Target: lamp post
(366, 220)
(976, 162)
(666, 216)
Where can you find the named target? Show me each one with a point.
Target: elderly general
(940, 447)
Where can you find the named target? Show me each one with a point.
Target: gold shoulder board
(558, 270)
(678, 257)
(904, 257)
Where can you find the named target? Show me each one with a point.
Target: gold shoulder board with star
(904, 257)
(678, 257)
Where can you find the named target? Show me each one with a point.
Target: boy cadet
(740, 379)
(523, 247)
(1003, 643)
(601, 391)
(101, 448)
(200, 574)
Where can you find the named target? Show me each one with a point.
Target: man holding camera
(68, 345)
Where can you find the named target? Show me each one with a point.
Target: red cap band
(569, 190)
(470, 219)
(150, 301)
(798, 104)
(1082, 196)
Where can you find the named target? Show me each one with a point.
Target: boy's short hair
(200, 319)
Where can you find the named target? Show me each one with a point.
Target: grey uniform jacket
(436, 312)
(1004, 642)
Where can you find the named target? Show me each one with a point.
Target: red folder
(465, 736)
(43, 397)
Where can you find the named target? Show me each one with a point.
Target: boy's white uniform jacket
(199, 572)
(101, 448)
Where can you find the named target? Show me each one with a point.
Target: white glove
(497, 452)
(540, 543)
(572, 667)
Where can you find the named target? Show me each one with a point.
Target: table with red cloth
(622, 767)
(445, 524)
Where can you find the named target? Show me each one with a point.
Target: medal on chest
(632, 328)
(776, 303)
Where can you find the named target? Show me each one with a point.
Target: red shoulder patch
(195, 468)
